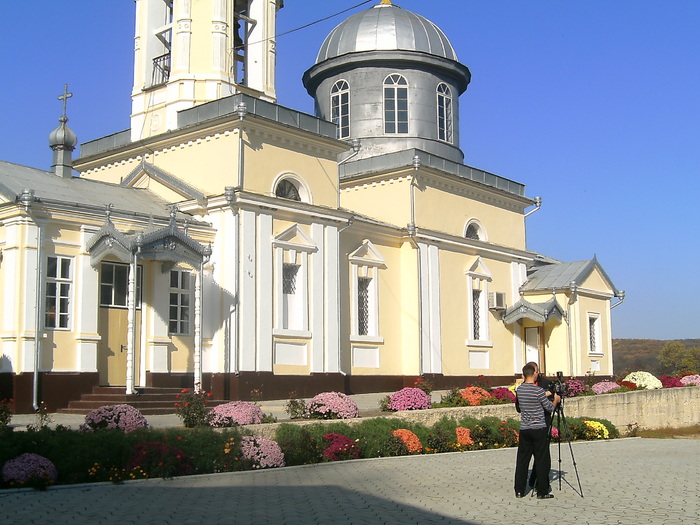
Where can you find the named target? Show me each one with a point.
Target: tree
(676, 358)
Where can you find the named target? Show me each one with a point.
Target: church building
(228, 243)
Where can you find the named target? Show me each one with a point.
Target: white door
(532, 345)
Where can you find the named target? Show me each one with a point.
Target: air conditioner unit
(497, 301)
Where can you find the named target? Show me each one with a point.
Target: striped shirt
(533, 402)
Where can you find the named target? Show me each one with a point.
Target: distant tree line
(659, 357)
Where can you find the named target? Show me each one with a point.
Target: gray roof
(78, 192)
(386, 27)
(561, 275)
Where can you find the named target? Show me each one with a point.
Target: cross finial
(66, 95)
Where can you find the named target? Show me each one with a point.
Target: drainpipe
(538, 205)
(411, 227)
(242, 111)
(620, 294)
(340, 335)
(27, 198)
(573, 287)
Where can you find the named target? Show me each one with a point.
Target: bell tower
(188, 52)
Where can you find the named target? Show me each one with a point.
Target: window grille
(472, 232)
(289, 278)
(363, 284)
(592, 328)
(476, 304)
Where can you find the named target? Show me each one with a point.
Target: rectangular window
(114, 285)
(594, 334)
(476, 318)
(58, 289)
(180, 302)
(363, 289)
(289, 278)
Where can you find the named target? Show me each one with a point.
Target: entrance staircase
(149, 401)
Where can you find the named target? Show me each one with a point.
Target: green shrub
(298, 445)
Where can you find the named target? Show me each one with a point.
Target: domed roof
(386, 27)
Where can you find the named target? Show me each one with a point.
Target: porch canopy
(168, 244)
(538, 312)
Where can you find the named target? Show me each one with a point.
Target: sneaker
(545, 496)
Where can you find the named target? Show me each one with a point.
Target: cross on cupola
(66, 95)
(62, 141)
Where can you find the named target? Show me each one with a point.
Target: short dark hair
(528, 370)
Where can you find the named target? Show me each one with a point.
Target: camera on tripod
(558, 386)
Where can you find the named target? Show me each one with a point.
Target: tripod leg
(571, 450)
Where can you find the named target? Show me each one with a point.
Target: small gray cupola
(391, 79)
(62, 141)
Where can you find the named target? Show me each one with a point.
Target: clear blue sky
(594, 105)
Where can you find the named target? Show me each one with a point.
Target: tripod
(562, 425)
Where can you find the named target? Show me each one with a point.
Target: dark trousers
(533, 442)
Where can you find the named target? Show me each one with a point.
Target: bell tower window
(160, 46)
(395, 104)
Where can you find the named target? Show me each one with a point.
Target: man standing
(533, 404)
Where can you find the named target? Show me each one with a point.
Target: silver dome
(386, 27)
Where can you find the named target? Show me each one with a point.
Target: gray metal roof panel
(78, 191)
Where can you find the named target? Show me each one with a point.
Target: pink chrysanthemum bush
(340, 447)
(235, 413)
(693, 379)
(123, 417)
(261, 452)
(575, 387)
(332, 405)
(29, 470)
(473, 395)
(412, 442)
(503, 394)
(604, 387)
(409, 399)
(670, 382)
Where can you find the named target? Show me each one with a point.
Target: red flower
(184, 390)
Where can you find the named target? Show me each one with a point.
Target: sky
(593, 105)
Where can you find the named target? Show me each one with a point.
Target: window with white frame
(365, 263)
(478, 277)
(114, 285)
(59, 278)
(366, 306)
(340, 108)
(293, 249)
(594, 340)
(444, 112)
(180, 302)
(292, 301)
(395, 104)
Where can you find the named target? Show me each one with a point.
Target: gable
(596, 281)
(367, 254)
(162, 183)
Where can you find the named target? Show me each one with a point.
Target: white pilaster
(248, 299)
(265, 281)
(317, 295)
(331, 300)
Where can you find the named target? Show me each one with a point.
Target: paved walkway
(624, 481)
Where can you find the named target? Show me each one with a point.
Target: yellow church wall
(397, 339)
(594, 306)
(455, 323)
(387, 199)
(502, 226)
(266, 161)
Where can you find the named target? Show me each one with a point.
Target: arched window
(474, 231)
(286, 189)
(444, 112)
(340, 108)
(395, 104)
